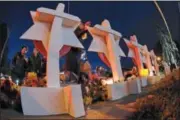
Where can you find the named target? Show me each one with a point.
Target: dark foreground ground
(102, 110)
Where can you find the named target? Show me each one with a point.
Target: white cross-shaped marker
(135, 43)
(154, 61)
(55, 29)
(146, 55)
(106, 40)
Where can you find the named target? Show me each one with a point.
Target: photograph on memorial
(90, 60)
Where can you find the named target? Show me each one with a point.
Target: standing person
(134, 71)
(85, 66)
(98, 71)
(20, 65)
(43, 66)
(35, 62)
(72, 59)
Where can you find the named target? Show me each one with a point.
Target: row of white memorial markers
(56, 29)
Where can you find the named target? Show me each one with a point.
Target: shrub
(162, 102)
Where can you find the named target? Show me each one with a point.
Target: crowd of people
(21, 65)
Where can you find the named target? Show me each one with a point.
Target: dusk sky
(139, 18)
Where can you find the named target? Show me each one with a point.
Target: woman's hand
(87, 24)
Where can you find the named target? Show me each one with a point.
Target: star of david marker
(55, 29)
(135, 50)
(106, 40)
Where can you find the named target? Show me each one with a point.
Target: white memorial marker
(136, 54)
(55, 29)
(154, 61)
(155, 67)
(146, 54)
(106, 40)
(135, 51)
(61, 33)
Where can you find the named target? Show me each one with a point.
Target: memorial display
(152, 78)
(57, 29)
(135, 50)
(108, 39)
(70, 65)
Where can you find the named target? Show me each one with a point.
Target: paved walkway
(103, 110)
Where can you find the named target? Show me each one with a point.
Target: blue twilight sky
(140, 18)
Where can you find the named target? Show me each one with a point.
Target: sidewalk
(101, 110)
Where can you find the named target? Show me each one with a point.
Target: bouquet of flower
(62, 77)
(98, 91)
(32, 76)
(9, 92)
(31, 80)
(42, 83)
(10, 84)
(87, 100)
(15, 87)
